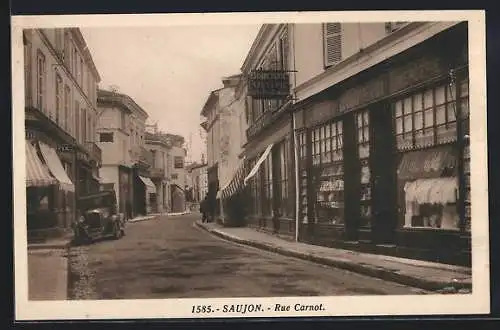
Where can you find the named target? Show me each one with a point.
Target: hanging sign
(268, 84)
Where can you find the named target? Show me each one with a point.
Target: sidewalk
(425, 275)
(48, 270)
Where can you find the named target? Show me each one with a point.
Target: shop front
(383, 156)
(270, 180)
(50, 158)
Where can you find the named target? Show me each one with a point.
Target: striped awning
(37, 174)
(259, 162)
(236, 183)
(150, 186)
(56, 168)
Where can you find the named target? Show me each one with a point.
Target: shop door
(383, 176)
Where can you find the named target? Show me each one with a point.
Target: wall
(82, 94)
(180, 172)
(308, 45)
(115, 152)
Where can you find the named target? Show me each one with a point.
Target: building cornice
(125, 100)
(395, 43)
(80, 40)
(260, 45)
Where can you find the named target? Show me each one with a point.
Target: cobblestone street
(169, 258)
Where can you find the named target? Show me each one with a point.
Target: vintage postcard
(250, 165)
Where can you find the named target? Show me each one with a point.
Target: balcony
(94, 152)
(273, 112)
(157, 173)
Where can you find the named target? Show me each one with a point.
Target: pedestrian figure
(203, 210)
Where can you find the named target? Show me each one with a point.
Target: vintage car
(98, 218)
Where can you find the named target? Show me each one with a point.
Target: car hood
(102, 211)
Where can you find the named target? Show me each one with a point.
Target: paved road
(169, 258)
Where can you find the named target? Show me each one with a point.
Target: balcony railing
(94, 151)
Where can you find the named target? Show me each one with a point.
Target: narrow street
(168, 257)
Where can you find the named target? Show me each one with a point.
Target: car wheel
(117, 232)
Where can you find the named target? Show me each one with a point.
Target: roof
(125, 100)
(212, 98)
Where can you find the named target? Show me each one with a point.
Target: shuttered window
(332, 34)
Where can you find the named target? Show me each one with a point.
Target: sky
(170, 71)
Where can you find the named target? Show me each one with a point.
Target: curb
(50, 246)
(143, 219)
(364, 269)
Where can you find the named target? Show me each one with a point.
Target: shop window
(363, 138)
(282, 181)
(429, 188)
(327, 142)
(303, 195)
(425, 119)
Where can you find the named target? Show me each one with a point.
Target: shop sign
(362, 94)
(414, 72)
(268, 84)
(321, 111)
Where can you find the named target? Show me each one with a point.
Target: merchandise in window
(363, 138)
(329, 178)
(303, 195)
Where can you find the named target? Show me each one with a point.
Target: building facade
(60, 121)
(375, 136)
(177, 169)
(199, 181)
(126, 163)
(159, 146)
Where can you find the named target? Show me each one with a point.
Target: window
(67, 111)
(75, 62)
(153, 154)
(77, 121)
(283, 181)
(122, 120)
(302, 153)
(425, 119)
(283, 51)
(59, 41)
(84, 125)
(328, 169)
(174, 176)
(81, 72)
(27, 72)
(178, 162)
(106, 137)
(67, 50)
(59, 91)
(363, 141)
(332, 41)
(40, 86)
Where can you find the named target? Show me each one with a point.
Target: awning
(257, 165)
(432, 191)
(56, 167)
(235, 184)
(150, 186)
(429, 163)
(37, 174)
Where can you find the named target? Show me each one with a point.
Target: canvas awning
(55, 167)
(427, 163)
(37, 174)
(150, 186)
(235, 184)
(257, 165)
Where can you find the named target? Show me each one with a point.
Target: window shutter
(332, 35)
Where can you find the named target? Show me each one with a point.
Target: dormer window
(332, 41)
